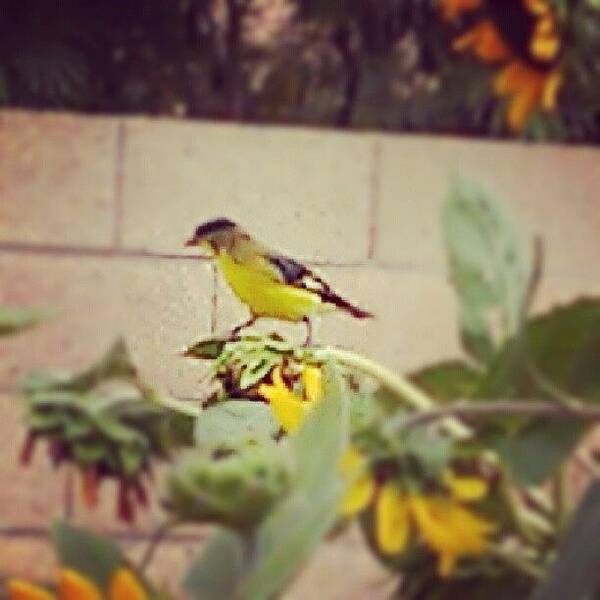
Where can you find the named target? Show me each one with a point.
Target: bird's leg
(308, 340)
(244, 325)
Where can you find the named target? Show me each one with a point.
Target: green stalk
(401, 387)
(182, 406)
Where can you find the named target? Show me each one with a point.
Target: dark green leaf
(448, 381)
(89, 554)
(206, 349)
(563, 344)
(13, 320)
(533, 452)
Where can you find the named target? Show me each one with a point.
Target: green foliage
(13, 320)
(215, 575)
(490, 267)
(100, 420)
(89, 554)
(236, 488)
(234, 424)
(448, 380)
(535, 450)
(281, 543)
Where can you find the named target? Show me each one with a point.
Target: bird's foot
(308, 339)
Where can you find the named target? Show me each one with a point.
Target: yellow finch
(270, 284)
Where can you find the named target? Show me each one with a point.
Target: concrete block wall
(94, 213)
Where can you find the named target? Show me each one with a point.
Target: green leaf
(233, 423)
(214, 575)
(297, 525)
(490, 266)
(563, 344)
(132, 459)
(89, 554)
(535, 451)
(448, 381)
(89, 453)
(576, 573)
(13, 320)
(206, 349)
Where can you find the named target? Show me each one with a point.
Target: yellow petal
(312, 383)
(392, 525)
(288, 409)
(125, 586)
(358, 496)
(446, 564)
(466, 489)
(485, 41)
(451, 9)
(23, 590)
(551, 89)
(449, 529)
(545, 48)
(352, 463)
(522, 106)
(73, 586)
(537, 7)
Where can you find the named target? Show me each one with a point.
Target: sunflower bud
(236, 489)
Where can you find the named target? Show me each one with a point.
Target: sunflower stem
(406, 391)
(560, 491)
(157, 537)
(182, 406)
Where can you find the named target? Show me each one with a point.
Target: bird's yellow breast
(266, 297)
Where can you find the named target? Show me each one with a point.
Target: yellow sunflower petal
(392, 524)
(288, 409)
(446, 564)
(545, 48)
(125, 586)
(449, 529)
(465, 489)
(358, 496)
(522, 106)
(23, 590)
(451, 9)
(485, 41)
(551, 89)
(537, 7)
(312, 383)
(73, 586)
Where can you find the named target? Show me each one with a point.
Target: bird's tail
(332, 298)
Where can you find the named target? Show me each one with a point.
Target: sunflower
(290, 407)
(439, 519)
(75, 586)
(523, 38)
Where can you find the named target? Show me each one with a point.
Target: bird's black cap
(213, 226)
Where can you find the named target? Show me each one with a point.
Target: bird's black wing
(298, 275)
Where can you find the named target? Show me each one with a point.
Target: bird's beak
(191, 242)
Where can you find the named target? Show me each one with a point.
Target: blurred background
(467, 67)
